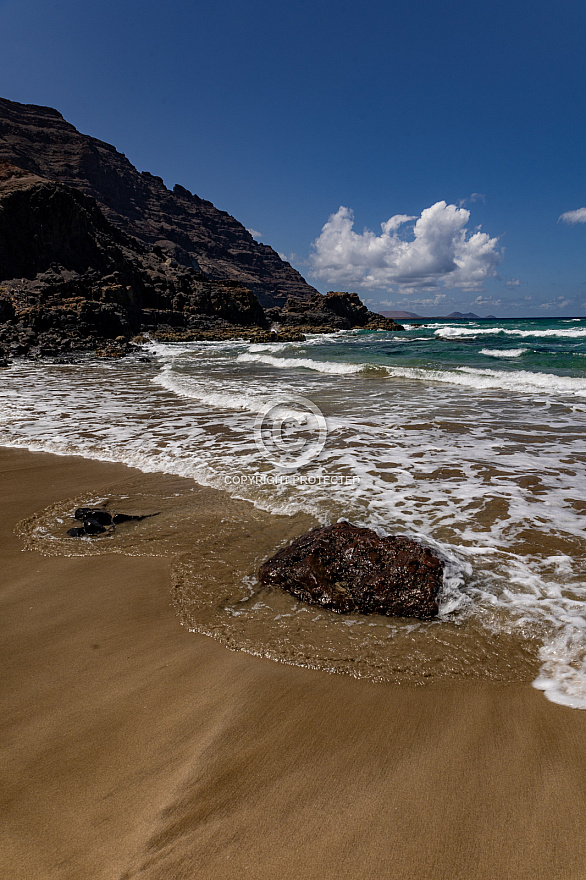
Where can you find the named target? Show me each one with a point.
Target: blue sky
(462, 121)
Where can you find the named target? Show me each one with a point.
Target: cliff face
(93, 253)
(70, 280)
(185, 228)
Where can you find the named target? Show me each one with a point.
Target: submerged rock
(350, 569)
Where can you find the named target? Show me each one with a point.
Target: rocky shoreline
(94, 254)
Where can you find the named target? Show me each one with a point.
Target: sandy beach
(133, 748)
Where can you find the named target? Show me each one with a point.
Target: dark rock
(326, 314)
(98, 515)
(350, 569)
(127, 517)
(185, 229)
(97, 521)
(91, 527)
(93, 253)
(70, 280)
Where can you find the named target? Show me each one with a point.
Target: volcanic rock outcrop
(350, 569)
(185, 228)
(335, 311)
(94, 253)
(70, 280)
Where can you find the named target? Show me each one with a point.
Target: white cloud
(473, 197)
(513, 282)
(577, 216)
(429, 301)
(559, 303)
(255, 234)
(437, 249)
(414, 301)
(487, 301)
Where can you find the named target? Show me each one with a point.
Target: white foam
(503, 352)
(454, 332)
(172, 350)
(562, 676)
(331, 368)
(187, 386)
(269, 346)
(516, 381)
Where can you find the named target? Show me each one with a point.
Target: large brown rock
(351, 569)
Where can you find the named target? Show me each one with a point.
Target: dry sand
(133, 748)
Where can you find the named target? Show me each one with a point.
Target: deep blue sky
(280, 113)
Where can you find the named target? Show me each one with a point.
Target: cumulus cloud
(513, 282)
(577, 216)
(436, 249)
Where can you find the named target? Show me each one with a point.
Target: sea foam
(331, 368)
(514, 381)
(503, 352)
(454, 332)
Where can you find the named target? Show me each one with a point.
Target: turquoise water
(537, 345)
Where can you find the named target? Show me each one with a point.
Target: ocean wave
(562, 676)
(455, 332)
(329, 367)
(185, 386)
(269, 346)
(503, 352)
(518, 381)
(514, 380)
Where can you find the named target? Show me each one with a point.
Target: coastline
(134, 748)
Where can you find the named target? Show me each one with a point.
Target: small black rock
(102, 517)
(127, 517)
(91, 527)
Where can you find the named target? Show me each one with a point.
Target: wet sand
(134, 748)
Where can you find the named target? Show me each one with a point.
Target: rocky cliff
(185, 228)
(93, 253)
(71, 280)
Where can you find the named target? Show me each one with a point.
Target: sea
(468, 436)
